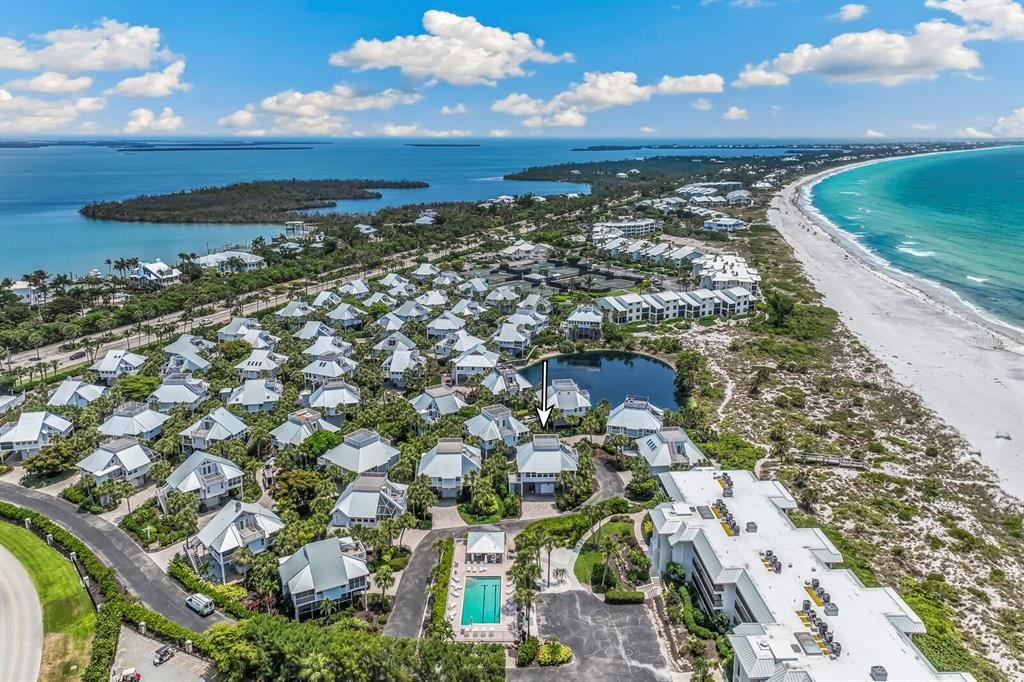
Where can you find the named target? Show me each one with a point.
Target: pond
(612, 375)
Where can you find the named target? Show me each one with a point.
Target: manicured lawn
(476, 520)
(68, 618)
(590, 556)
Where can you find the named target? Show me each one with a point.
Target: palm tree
(525, 599)
(607, 546)
(547, 541)
(781, 306)
(384, 579)
(328, 607)
(561, 574)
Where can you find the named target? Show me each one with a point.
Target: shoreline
(965, 367)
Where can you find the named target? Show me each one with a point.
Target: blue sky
(741, 68)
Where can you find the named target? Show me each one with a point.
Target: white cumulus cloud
(500, 132)
(648, 130)
(53, 83)
(153, 84)
(893, 58)
(874, 134)
(735, 113)
(923, 126)
(455, 49)
(415, 130)
(599, 90)
(971, 131)
(701, 104)
(455, 110)
(240, 119)
(29, 114)
(144, 120)
(851, 12)
(1010, 126)
(109, 46)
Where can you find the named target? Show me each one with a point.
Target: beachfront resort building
(725, 271)
(628, 227)
(236, 526)
(32, 431)
(156, 274)
(448, 464)
(362, 451)
(538, 464)
(724, 224)
(796, 616)
(635, 417)
(367, 501)
(116, 364)
(331, 570)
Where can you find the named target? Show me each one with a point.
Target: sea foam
(915, 252)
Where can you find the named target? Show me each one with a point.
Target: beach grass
(68, 618)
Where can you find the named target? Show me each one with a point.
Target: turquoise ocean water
(41, 189)
(955, 219)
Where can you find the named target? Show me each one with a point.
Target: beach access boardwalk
(139, 574)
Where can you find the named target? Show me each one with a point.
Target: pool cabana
(485, 547)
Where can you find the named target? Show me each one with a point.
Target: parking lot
(136, 651)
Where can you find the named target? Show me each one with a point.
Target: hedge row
(115, 608)
(624, 597)
(226, 597)
(439, 590)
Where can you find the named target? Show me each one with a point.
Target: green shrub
(527, 653)
(602, 579)
(228, 597)
(553, 652)
(439, 590)
(624, 597)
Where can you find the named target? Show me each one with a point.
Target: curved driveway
(21, 621)
(116, 549)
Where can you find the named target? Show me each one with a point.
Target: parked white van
(200, 603)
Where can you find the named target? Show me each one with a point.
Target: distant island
(440, 144)
(133, 146)
(265, 201)
(629, 147)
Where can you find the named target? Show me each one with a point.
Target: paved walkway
(116, 549)
(21, 621)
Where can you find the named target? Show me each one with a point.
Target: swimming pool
(482, 603)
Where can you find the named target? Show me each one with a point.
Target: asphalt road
(116, 549)
(21, 621)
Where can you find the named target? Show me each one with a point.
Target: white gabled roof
(299, 426)
(132, 419)
(545, 454)
(224, 532)
(636, 413)
(321, 566)
(345, 312)
(30, 426)
(361, 450)
(114, 454)
(450, 458)
(312, 330)
(332, 394)
(119, 361)
(69, 388)
(255, 392)
(218, 425)
(485, 542)
(186, 477)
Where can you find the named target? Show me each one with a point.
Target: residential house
(331, 570)
(368, 500)
(30, 433)
(219, 425)
(381, 298)
(535, 303)
(185, 354)
(391, 280)
(411, 310)
(357, 288)
(210, 478)
(120, 459)
(432, 298)
(9, 403)
(156, 274)
(313, 329)
(29, 294)
(625, 308)
(179, 389)
(529, 321)
(392, 342)
(447, 278)
(495, 426)
(468, 308)
(668, 449)
(136, 420)
(448, 464)
(505, 380)
(436, 402)
(390, 323)
(504, 298)
(232, 261)
(328, 347)
(261, 364)
(477, 361)
(326, 299)
(294, 312)
(724, 224)
(237, 525)
(116, 364)
(635, 417)
(254, 395)
(425, 271)
(511, 339)
(248, 330)
(299, 426)
(73, 392)
(568, 398)
(538, 464)
(584, 322)
(347, 316)
(456, 343)
(444, 324)
(401, 365)
(362, 451)
(630, 227)
(474, 288)
(333, 399)
(739, 197)
(402, 291)
(328, 369)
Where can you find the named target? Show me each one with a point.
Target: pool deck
(490, 632)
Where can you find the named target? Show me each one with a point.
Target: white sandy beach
(967, 369)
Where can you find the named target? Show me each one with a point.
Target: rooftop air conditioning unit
(878, 673)
(751, 527)
(831, 609)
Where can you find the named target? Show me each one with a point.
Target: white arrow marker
(544, 412)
